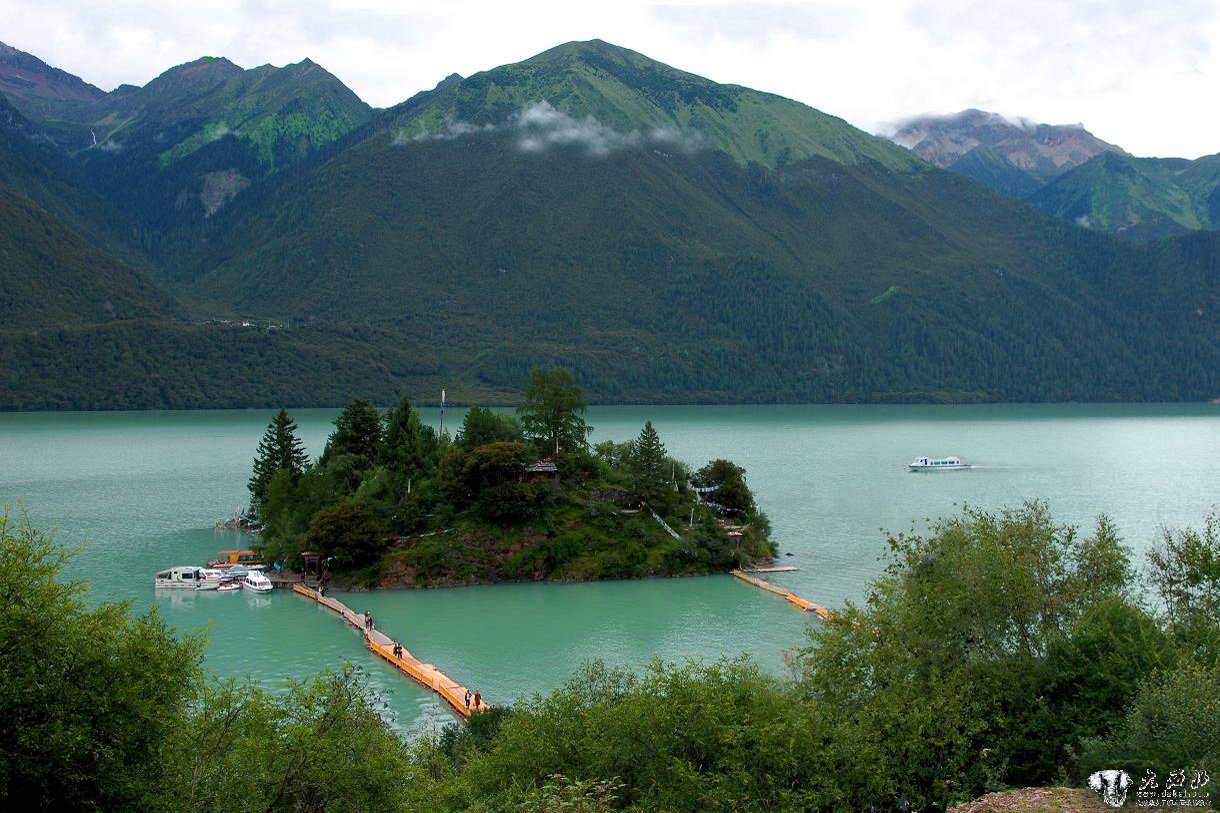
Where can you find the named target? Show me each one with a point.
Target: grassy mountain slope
(1137, 198)
(626, 91)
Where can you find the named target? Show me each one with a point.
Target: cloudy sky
(1141, 74)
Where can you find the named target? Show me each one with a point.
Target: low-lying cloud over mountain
(540, 126)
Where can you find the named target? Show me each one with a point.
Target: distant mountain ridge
(668, 238)
(27, 77)
(176, 150)
(1043, 151)
(1067, 171)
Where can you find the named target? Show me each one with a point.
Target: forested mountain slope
(50, 275)
(664, 273)
(667, 238)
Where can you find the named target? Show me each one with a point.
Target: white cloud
(1137, 74)
(540, 126)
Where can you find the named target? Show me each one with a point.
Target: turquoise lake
(138, 492)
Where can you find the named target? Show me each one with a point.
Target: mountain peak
(197, 75)
(1042, 150)
(623, 97)
(25, 76)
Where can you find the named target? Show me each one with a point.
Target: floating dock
(425, 674)
(804, 604)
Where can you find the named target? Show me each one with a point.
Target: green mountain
(668, 238)
(581, 91)
(175, 151)
(1137, 198)
(501, 239)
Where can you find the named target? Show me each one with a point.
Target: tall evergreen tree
(410, 448)
(649, 472)
(553, 414)
(280, 448)
(357, 433)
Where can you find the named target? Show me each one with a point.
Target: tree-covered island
(392, 502)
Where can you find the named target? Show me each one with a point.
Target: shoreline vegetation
(998, 651)
(391, 502)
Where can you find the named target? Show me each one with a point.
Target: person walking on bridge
(478, 700)
(467, 698)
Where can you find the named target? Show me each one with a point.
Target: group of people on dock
(473, 700)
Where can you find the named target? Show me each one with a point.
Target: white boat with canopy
(937, 464)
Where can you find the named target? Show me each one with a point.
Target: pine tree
(357, 433)
(410, 448)
(649, 477)
(280, 448)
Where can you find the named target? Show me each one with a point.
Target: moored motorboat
(937, 464)
(257, 581)
(229, 586)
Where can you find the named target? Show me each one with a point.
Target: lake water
(138, 492)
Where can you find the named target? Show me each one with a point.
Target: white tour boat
(258, 582)
(937, 464)
(186, 577)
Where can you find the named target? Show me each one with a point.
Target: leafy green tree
(617, 456)
(1170, 726)
(279, 449)
(730, 482)
(482, 426)
(410, 448)
(349, 531)
(320, 746)
(493, 476)
(553, 414)
(90, 696)
(649, 467)
(1185, 572)
(940, 672)
(692, 737)
(357, 434)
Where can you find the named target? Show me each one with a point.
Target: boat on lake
(227, 559)
(210, 579)
(257, 581)
(187, 577)
(937, 464)
(228, 586)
